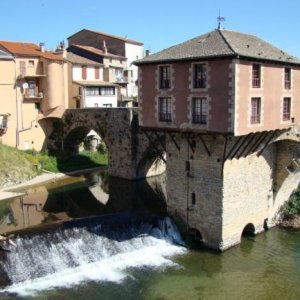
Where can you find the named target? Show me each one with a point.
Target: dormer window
(164, 77)
(256, 74)
(287, 78)
(199, 76)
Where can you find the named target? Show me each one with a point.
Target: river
(95, 237)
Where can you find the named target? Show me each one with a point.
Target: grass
(63, 162)
(14, 166)
(17, 166)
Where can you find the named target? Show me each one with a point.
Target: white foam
(155, 253)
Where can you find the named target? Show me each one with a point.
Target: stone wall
(247, 192)
(194, 197)
(218, 196)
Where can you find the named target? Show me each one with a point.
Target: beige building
(89, 84)
(33, 90)
(116, 54)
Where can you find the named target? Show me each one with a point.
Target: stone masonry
(220, 197)
(118, 127)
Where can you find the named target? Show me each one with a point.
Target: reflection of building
(33, 88)
(115, 54)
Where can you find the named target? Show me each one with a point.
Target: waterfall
(97, 249)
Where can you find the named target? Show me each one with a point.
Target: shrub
(292, 206)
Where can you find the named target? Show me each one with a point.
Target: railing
(287, 84)
(256, 82)
(200, 119)
(255, 119)
(165, 117)
(286, 116)
(33, 93)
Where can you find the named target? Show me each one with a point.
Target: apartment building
(95, 77)
(33, 90)
(117, 54)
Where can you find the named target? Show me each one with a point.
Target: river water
(96, 237)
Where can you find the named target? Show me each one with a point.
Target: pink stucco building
(223, 82)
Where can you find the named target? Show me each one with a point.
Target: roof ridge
(226, 41)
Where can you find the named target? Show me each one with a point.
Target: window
(286, 112)
(164, 77)
(83, 72)
(32, 89)
(255, 110)
(31, 63)
(99, 91)
(199, 76)
(119, 74)
(97, 73)
(256, 76)
(287, 78)
(165, 109)
(107, 90)
(199, 110)
(92, 91)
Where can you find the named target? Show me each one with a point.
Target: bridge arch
(151, 163)
(249, 230)
(119, 129)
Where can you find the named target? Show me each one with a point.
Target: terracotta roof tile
(28, 49)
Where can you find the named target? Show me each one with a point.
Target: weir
(94, 249)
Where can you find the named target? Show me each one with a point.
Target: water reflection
(83, 196)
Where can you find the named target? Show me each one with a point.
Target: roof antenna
(220, 19)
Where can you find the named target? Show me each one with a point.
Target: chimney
(61, 48)
(104, 47)
(42, 47)
(148, 52)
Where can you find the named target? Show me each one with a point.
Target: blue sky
(159, 24)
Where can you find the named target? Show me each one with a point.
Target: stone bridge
(218, 186)
(131, 152)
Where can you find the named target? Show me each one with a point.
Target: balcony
(33, 94)
(121, 79)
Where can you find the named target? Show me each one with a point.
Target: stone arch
(76, 135)
(151, 163)
(195, 238)
(249, 230)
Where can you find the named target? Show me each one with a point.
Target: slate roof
(27, 49)
(97, 51)
(77, 59)
(126, 40)
(220, 43)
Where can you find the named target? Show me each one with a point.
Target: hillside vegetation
(14, 167)
(18, 166)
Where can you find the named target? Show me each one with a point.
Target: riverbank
(11, 191)
(291, 223)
